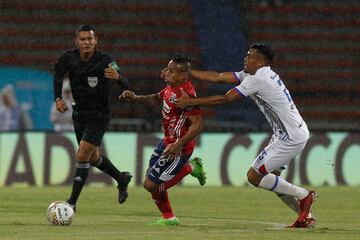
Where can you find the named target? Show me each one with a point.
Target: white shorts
(276, 155)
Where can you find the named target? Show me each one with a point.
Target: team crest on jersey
(172, 98)
(92, 81)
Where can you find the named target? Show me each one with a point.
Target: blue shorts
(160, 168)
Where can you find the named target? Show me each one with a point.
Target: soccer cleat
(309, 222)
(168, 221)
(305, 206)
(123, 186)
(198, 170)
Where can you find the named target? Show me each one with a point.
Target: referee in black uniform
(90, 73)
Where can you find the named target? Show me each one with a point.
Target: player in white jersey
(290, 132)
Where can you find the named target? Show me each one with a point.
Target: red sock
(185, 170)
(161, 197)
(162, 202)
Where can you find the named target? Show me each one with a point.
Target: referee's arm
(118, 76)
(60, 71)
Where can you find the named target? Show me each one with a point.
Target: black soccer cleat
(123, 186)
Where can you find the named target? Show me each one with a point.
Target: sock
(185, 170)
(105, 165)
(161, 200)
(290, 201)
(277, 184)
(161, 197)
(293, 203)
(81, 174)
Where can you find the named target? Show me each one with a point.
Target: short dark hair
(180, 58)
(84, 28)
(183, 60)
(264, 50)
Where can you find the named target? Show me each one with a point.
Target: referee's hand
(111, 73)
(61, 106)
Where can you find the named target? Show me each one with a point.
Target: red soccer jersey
(175, 119)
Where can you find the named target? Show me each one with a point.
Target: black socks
(106, 166)
(81, 174)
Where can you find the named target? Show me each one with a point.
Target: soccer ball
(60, 213)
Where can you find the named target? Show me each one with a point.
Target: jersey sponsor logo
(92, 81)
(166, 107)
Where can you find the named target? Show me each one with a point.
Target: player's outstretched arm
(185, 100)
(215, 77)
(130, 96)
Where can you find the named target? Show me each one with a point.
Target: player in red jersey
(169, 162)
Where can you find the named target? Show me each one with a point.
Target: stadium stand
(318, 45)
(140, 35)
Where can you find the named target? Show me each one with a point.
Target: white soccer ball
(60, 213)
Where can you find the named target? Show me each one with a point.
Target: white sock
(291, 201)
(277, 184)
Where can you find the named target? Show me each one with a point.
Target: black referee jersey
(89, 86)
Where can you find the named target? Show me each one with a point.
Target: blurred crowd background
(317, 46)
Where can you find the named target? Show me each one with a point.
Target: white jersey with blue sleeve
(240, 76)
(273, 99)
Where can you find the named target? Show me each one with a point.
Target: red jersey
(175, 119)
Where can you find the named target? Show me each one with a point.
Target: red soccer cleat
(305, 206)
(310, 222)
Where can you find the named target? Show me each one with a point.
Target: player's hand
(61, 106)
(111, 73)
(163, 72)
(172, 150)
(127, 96)
(184, 100)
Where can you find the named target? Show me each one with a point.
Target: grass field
(204, 213)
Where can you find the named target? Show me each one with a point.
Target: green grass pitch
(204, 213)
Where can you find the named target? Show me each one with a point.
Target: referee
(90, 72)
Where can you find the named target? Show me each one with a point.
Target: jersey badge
(92, 81)
(172, 98)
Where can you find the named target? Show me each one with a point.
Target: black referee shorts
(90, 126)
